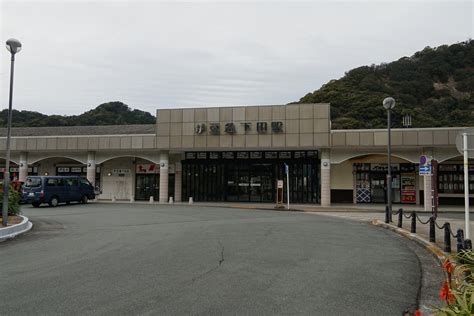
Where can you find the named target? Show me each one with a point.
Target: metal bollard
(432, 229)
(387, 219)
(413, 222)
(447, 237)
(400, 218)
(460, 240)
(467, 244)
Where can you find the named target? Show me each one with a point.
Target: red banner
(408, 196)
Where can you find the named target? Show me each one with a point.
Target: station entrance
(148, 185)
(250, 176)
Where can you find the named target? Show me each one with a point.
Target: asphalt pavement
(127, 259)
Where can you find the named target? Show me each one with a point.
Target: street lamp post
(13, 46)
(389, 104)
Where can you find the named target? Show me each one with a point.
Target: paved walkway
(421, 230)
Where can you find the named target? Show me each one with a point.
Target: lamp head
(388, 103)
(13, 46)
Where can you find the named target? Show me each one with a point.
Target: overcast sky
(149, 55)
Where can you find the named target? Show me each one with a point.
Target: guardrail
(461, 243)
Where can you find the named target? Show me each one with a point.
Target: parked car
(57, 189)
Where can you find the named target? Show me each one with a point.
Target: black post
(6, 175)
(389, 162)
(413, 222)
(460, 240)
(400, 218)
(387, 215)
(467, 244)
(434, 186)
(389, 104)
(447, 237)
(432, 229)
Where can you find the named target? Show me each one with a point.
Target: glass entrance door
(147, 185)
(244, 185)
(378, 185)
(261, 183)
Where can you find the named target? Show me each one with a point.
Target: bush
(458, 289)
(13, 201)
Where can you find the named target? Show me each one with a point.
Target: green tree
(356, 98)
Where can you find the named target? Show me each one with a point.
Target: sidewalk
(421, 230)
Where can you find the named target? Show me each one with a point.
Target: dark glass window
(235, 178)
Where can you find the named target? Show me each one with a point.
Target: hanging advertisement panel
(408, 188)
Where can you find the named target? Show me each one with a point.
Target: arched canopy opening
(364, 178)
(12, 161)
(135, 158)
(456, 159)
(131, 177)
(55, 159)
(374, 158)
(59, 166)
(13, 169)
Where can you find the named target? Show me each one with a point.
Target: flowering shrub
(458, 288)
(13, 201)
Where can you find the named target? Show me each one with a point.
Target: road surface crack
(221, 260)
(222, 253)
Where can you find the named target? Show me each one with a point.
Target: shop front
(451, 182)
(14, 172)
(147, 181)
(371, 183)
(250, 176)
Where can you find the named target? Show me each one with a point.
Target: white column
(428, 202)
(354, 186)
(23, 167)
(177, 181)
(133, 175)
(417, 186)
(164, 174)
(325, 178)
(427, 193)
(91, 167)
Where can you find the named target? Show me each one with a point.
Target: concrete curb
(15, 230)
(437, 252)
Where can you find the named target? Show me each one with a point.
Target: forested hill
(435, 86)
(111, 113)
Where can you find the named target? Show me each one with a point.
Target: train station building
(237, 154)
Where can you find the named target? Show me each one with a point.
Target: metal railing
(461, 243)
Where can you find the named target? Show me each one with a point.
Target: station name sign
(230, 128)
